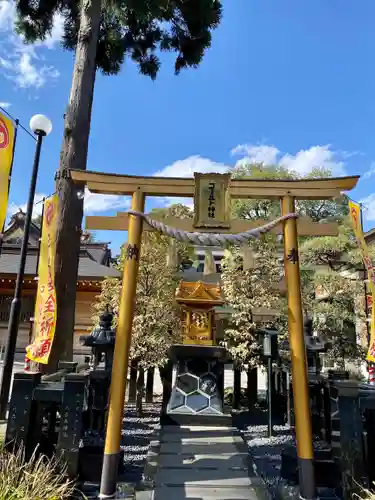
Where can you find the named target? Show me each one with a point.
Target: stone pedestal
(199, 384)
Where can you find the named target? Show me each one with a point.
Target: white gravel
(266, 456)
(136, 436)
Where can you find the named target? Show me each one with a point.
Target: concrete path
(201, 463)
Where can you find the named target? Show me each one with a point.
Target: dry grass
(366, 495)
(39, 478)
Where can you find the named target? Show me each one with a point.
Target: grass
(365, 495)
(39, 478)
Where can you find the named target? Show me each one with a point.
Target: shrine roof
(88, 268)
(198, 292)
(94, 257)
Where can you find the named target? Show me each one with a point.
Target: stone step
(205, 477)
(202, 438)
(205, 460)
(197, 448)
(194, 493)
(196, 429)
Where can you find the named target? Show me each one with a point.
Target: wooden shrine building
(95, 264)
(198, 301)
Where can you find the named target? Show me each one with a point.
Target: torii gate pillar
(121, 353)
(300, 380)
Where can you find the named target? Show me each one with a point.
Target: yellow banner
(45, 307)
(6, 155)
(355, 215)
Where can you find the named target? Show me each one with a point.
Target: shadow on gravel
(136, 437)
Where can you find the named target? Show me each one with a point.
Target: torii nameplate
(212, 201)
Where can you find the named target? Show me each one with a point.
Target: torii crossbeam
(212, 194)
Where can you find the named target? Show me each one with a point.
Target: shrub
(39, 478)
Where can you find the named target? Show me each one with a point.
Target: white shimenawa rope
(211, 239)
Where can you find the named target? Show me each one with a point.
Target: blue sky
(290, 82)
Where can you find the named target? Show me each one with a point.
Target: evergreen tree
(334, 312)
(103, 33)
(157, 317)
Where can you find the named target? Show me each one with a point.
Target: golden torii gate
(212, 194)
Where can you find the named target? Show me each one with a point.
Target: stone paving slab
(211, 493)
(223, 477)
(196, 448)
(203, 461)
(190, 463)
(202, 438)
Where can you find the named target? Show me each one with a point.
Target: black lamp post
(270, 352)
(41, 126)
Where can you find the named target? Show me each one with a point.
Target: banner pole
(40, 237)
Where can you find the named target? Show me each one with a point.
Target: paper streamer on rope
(209, 263)
(248, 257)
(172, 254)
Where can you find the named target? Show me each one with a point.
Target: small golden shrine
(198, 301)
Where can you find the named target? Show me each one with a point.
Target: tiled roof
(88, 268)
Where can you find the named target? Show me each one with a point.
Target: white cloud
(29, 75)
(370, 173)
(302, 162)
(7, 14)
(55, 36)
(93, 203)
(37, 209)
(187, 167)
(368, 205)
(23, 63)
(256, 154)
(4, 104)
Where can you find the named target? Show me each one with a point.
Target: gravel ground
(136, 436)
(266, 455)
(266, 452)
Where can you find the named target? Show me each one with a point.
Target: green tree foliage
(156, 323)
(103, 34)
(247, 291)
(138, 29)
(322, 261)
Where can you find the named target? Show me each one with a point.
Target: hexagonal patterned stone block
(198, 366)
(183, 410)
(216, 403)
(197, 401)
(187, 383)
(207, 384)
(209, 411)
(177, 399)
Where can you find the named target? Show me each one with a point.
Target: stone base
(199, 386)
(91, 463)
(327, 472)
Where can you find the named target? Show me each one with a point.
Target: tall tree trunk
(73, 156)
(150, 385)
(252, 386)
(132, 394)
(140, 391)
(236, 403)
(166, 375)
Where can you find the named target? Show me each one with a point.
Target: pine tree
(103, 33)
